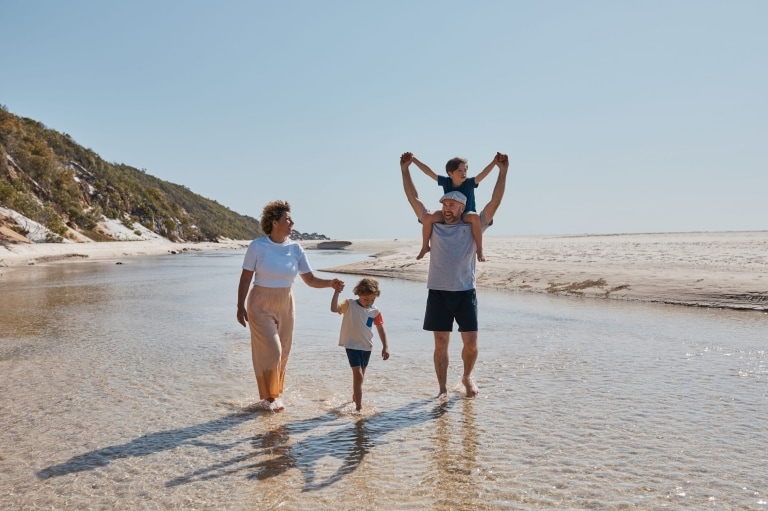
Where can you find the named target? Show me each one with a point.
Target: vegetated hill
(49, 178)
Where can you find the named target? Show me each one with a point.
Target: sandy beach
(28, 254)
(725, 269)
(711, 269)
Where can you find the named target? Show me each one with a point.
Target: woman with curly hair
(271, 263)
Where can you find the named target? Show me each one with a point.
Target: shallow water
(128, 387)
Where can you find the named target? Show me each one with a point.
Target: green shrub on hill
(49, 178)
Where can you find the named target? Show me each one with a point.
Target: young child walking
(456, 180)
(356, 333)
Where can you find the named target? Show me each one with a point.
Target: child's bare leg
(357, 387)
(473, 219)
(426, 231)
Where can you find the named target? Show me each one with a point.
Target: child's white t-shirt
(356, 333)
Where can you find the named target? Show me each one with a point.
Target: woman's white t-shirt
(275, 264)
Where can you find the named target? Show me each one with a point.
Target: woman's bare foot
(469, 384)
(271, 404)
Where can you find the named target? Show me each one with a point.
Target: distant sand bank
(728, 269)
(25, 254)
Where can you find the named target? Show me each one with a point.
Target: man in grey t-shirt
(451, 278)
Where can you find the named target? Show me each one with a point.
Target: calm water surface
(128, 387)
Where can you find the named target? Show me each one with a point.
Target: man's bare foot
(469, 384)
(423, 252)
(442, 394)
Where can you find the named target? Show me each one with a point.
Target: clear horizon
(617, 117)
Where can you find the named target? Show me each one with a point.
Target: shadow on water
(349, 444)
(145, 445)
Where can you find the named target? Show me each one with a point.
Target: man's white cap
(457, 196)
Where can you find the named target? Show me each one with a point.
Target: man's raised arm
(502, 160)
(410, 190)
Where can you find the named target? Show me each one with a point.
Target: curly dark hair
(273, 212)
(367, 286)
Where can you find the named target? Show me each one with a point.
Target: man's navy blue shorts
(443, 307)
(358, 358)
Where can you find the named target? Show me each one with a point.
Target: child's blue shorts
(358, 358)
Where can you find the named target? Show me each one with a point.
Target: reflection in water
(273, 453)
(453, 460)
(272, 445)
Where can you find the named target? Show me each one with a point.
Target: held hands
(502, 160)
(405, 160)
(337, 285)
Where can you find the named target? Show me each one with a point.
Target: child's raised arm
(424, 168)
(487, 170)
(335, 299)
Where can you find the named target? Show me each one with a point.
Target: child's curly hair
(367, 286)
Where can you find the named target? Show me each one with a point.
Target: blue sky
(618, 116)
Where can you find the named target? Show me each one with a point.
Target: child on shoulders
(456, 180)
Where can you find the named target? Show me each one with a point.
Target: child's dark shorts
(443, 307)
(358, 358)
